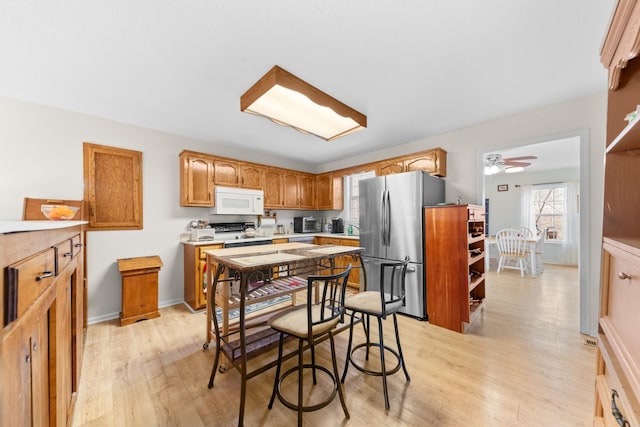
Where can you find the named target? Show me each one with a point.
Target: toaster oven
(306, 224)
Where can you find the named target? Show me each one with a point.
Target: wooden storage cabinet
(454, 263)
(113, 187)
(195, 284)
(433, 162)
(343, 261)
(42, 343)
(618, 365)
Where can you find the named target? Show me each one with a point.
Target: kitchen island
(259, 273)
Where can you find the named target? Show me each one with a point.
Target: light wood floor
(523, 363)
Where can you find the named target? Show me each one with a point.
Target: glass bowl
(58, 212)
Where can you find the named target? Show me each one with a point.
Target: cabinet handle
(66, 254)
(44, 275)
(78, 245)
(622, 422)
(622, 275)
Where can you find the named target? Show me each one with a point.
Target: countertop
(275, 236)
(19, 226)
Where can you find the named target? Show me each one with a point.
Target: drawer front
(476, 213)
(201, 250)
(622, 299)
(65, 254)
(606, 385)
(76, 245)
(26, 280)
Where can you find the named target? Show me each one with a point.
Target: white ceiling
(416, 68)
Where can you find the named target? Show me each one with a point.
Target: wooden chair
(512, 246)
(526, 232)
(387, 300)
(308, 323)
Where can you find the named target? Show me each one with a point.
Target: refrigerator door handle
(388, 219)
(383, 220)
(411, 269)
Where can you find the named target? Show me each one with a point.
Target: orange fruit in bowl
(57, 212)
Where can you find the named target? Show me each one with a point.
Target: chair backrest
(331, 292)
(526, 232)
(392, 285)
(511, 242)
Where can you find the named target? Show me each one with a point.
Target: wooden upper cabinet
(251, 176)
(433, 162)
(291, 199)
(391, 167)
(226, 173)
(307, 191)
(196, 180)
(329, 191)
(273, 187)
(113, 187)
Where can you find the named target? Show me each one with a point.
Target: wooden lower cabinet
(41, 345)
(195, 261)
(343, 261)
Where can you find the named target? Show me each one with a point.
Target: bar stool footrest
(391, 371)
(309, 408)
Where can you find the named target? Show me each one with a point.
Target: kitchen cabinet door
(273, 188)
(291, 198)
(329, 191)
(226, 173)
(113, 187)
(433, 162)
(388, 168)
(196, 180)
(251, 176)
(306, 190)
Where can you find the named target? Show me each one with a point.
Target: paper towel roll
(267, 226)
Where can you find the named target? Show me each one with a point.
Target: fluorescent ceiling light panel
(289, 101)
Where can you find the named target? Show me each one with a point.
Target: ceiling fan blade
(520, 158)
(515, 164)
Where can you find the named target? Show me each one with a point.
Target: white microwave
(238, 201)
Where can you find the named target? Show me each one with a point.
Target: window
(549, 208)
(352, 195)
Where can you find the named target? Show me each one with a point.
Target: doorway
(556, 156)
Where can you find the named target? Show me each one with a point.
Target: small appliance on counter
(306, 224)
(200, 231)
(337, 225)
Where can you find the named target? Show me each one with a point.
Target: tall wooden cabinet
(454, 264)
(43, 323)
(618, 361)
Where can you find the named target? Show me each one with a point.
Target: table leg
(533, 260)
(244, 280)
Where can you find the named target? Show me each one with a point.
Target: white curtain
(527, 211)
(571, 243)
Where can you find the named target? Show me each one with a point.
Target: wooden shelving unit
(618, 366)
(455, 279)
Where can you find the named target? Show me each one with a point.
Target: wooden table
(260, 273)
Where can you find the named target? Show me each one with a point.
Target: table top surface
(256, 257)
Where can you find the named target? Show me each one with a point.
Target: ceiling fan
(495, 163)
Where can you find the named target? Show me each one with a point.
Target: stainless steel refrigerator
(392, 227)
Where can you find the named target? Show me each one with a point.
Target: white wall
(42, 153)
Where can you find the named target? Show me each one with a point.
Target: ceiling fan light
(491, 169)
(514, 169)
(290, 101)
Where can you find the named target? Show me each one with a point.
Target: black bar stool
(308, 323)
(387, 300)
